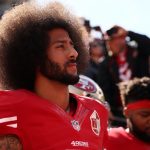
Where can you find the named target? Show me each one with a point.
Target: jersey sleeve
(9, 125)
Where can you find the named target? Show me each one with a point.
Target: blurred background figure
(7, 4)
(130, 51)
(132, 55)
(96, 52)
(135, 96)
(128, 57)
(94, 32)
(87, 25)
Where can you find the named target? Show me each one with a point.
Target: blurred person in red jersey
(128, 57)
(42, 51)
(135, 96)
(130, 51)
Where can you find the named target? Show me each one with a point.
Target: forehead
(142, 110)
(58, 33)
(117, 38)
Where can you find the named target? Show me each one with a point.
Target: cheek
(57, 57)
(113, 45)
(140, 122)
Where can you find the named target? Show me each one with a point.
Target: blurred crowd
(117, 55)
(120, 65)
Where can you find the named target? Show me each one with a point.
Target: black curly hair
(24, 40)
(135, 90)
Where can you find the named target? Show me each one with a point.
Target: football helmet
(87, 87)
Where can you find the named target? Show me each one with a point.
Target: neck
(52, 90)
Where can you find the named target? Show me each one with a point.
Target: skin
(61, 50)
(117, 44)
(10, 142)
(96, 52)
(139, 119)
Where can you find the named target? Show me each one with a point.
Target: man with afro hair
(42, 51)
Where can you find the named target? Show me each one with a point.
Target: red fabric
(44, 126)
(137, 105)
(123, 66)
(121, 58)
(120, 139)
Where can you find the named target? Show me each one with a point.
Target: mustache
(71, 61)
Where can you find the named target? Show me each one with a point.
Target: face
(96, 52)
(60, 64)
(140, 123)
(117, 44)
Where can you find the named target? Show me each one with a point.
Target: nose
(73, 53)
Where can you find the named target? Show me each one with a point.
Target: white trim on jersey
(8, 119)
(12, 125)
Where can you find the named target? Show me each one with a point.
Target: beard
(53, 71)
(139, 134)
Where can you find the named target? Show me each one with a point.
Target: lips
(72, 67)
(72, 64)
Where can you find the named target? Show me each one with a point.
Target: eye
(60, 46)
(144, 115)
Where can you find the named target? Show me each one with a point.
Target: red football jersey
(41, 125)
(120, 139)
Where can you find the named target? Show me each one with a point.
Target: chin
(72, 72)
